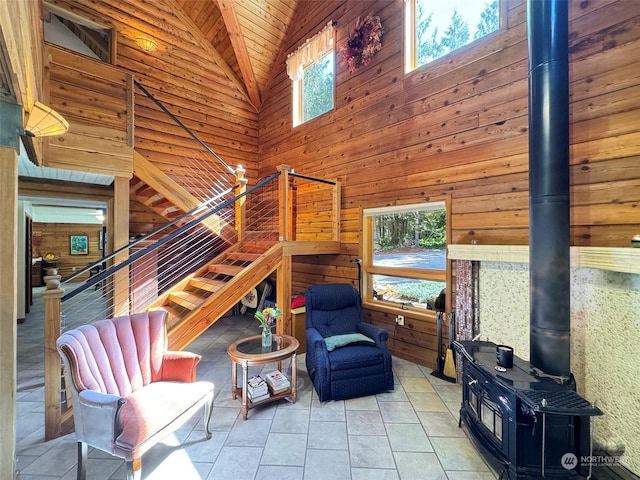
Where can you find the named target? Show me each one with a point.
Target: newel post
(241, 187)
(283, 207)
(337, 202)
(283, 272)
(52, 364)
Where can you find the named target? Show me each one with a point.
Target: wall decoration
(79, 244)
(363, 43)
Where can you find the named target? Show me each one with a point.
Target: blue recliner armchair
(346, 357)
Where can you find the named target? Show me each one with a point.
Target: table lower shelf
(275, 396)
(237, 392)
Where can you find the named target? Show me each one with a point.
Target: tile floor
(410, 433)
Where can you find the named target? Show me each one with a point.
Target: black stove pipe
(549, 265)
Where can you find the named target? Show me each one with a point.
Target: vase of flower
(267, 338)
(267, 319)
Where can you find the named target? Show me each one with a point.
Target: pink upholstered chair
(128, 391)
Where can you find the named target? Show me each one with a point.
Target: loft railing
(285, 204)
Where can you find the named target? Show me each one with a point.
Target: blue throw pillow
(336, 341)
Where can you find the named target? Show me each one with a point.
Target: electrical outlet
(400, 319)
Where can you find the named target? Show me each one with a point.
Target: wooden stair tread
(272, 235)
(187, 300)
(152, 199)
(166, 211)
(253, 249)
(231, 270)
(173, 317)
(145, 192)
(251, 257)
(208, 284)
(135, 185)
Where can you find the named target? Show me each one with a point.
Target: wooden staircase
(156, 201)
(153, 188)
(306, 216)
(200, 299)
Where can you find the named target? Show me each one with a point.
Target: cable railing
(139, 239)
(195, 166)
(315, 208)
(229, 169)
(211, 187)
(145, 274)
(156, 262)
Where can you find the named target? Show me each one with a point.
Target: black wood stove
(528, 418)
(528, 427)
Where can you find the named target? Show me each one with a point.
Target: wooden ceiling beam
(45, 188)
(21, 42)
(227, 8)
(202, 41)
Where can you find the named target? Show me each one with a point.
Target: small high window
(435, 28)
(311, 69)
(81, 35)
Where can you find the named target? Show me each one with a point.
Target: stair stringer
(177, 195)
(220, 302)
(183, 285)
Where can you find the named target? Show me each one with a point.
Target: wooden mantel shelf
(615, 259)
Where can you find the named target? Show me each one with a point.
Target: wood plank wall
(94, 98)
(458, 127)
(314, 212)
(182, 76)
(142, 219)
(54, 238)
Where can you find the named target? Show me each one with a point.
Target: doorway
(28, 267)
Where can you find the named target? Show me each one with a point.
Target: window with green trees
(317, 88)
(405, 254)
(311, 69)
(435, 28)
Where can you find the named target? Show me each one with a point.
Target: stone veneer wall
(605, 340)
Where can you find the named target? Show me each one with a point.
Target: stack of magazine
(277, 382)
(257, 389)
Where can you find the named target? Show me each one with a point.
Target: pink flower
(268, 316)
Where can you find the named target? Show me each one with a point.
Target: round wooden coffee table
(248, 352)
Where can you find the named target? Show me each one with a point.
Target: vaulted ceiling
(244, 37)
(248, 34)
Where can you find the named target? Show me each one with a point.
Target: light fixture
(44, 121)
(146, 44)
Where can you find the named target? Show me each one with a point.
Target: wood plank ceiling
(244, 37)
(248, 34)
